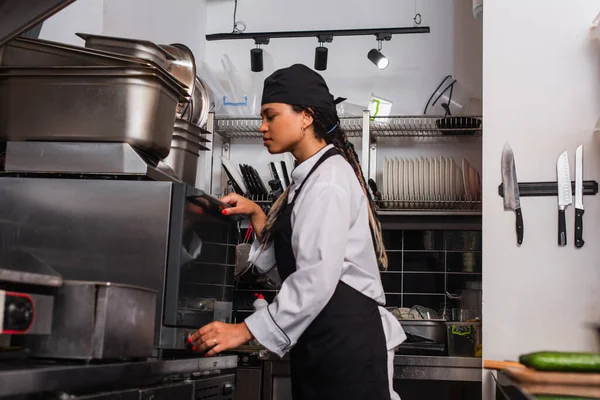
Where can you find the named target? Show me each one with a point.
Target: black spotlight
(377, 58)
(321, 58)
(256, 60)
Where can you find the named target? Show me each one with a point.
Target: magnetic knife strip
(537, 189)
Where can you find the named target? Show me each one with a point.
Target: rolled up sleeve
(319, 239)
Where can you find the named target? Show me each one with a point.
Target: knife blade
(512, 200)
(565, 197)
(579, 242)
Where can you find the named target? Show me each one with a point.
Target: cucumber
(562, 361)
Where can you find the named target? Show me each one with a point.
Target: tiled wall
(423, 265)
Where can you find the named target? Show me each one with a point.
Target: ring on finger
(215, 341)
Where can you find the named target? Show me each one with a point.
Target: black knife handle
(579, 242)
(519, 225)
(562, 228)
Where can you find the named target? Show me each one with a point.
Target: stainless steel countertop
(18, 378)
(461, 369)
(430, 361)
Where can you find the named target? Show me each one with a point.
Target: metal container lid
(17, 16)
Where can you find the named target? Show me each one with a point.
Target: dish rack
(370, 130)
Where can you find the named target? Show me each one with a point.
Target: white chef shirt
(331, 241)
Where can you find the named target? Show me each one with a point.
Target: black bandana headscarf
(298, 85)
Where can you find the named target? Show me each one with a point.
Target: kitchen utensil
(463, 338)
(200, 104)
(286, 175)
(579, 242)
(26, 52)
(500, 365)
(276, 189)
(511, 191)
(190, 131)
(274, 171)
(557, 383)
(182, 66)
(260, 184)
(235, 176)
(564, 195)
(135, 105)
(434, 330)
(248, 180)
(143, 49)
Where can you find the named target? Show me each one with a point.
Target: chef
(323, 238)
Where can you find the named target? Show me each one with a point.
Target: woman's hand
(244, 206)
(218, 337)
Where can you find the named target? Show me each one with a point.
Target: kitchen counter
(460, 369)
(463, 369)
(20, 377)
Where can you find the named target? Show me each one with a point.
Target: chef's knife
(565, 196)
(579, 242)
(511, 189)
(274, 171)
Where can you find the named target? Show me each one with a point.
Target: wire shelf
(247, 128)
(436, 203)
(418, 126)
(424, 126)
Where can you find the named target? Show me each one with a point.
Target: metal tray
(136, 48)
(25, 52)
(134, 105)
(179, 142)
(190, 131)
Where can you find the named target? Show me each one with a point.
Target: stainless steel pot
(185, 148)
(200, 103)
(434, 330)
(135, 105)
(183, 67)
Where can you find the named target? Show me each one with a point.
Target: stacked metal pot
(111, 90)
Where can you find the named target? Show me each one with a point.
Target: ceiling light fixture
(256, 54)
(376, 56)
(321, 52)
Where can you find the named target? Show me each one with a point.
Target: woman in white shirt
(324, 239)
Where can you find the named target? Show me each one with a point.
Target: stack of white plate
(429, 182)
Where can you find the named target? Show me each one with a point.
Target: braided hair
(323, 121)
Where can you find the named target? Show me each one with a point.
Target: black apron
(342, 354)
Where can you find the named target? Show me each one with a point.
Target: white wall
(541, 91)
(83, 16)
(181, 21)
(417, 62)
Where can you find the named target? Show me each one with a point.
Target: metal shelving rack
(370, 130)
